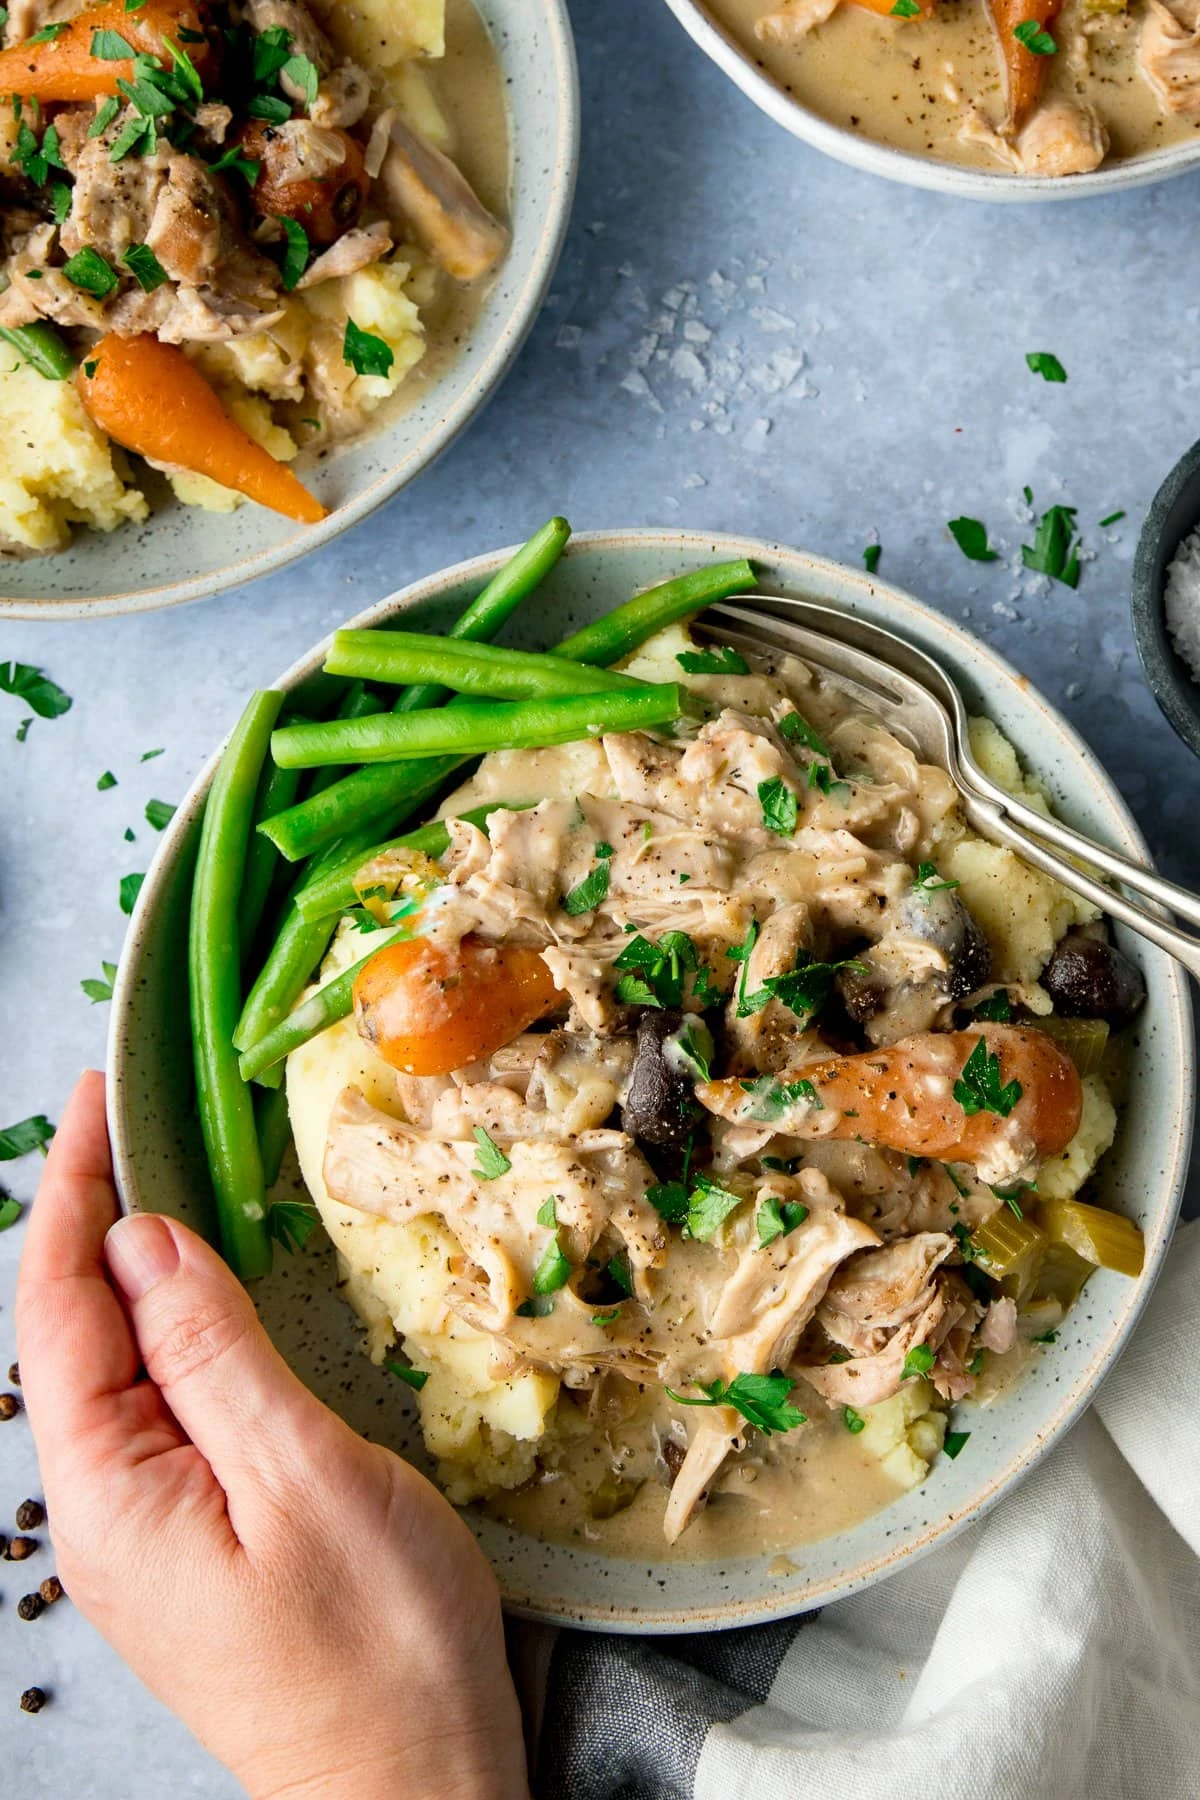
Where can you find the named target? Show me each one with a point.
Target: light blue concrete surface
(742, 336)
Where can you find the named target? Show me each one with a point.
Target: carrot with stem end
(69, 61)
(150, 398)
(1023, 35)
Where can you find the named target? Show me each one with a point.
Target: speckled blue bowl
(1174, 514)
(181, 553)
(160, 1161)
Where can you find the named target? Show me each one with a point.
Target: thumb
(202, 1344)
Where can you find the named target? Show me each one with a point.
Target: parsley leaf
(100, 991)
(670, 1201)
(303, 73)
(91, 274)
(108, 111)
(779, 809)
(1112, 519)
(695, 1047)
(271, 108)
(234, 162)
(1036, 40)
(131, 887)
(553, 1271)
(22, 731)
(25, 1137)
(721, 661)
(871, 556)
(37, 691)
(366, 352)
(609, 1318)
(593, 889)
(490, 1161)
(853, 1421)
(291, 1224)
(272, 48)
(797, 729)
(10, 1211)
(929, 881)
(142, 263)
(299, 253)
(772, 1098)
(1042, 363)
(547, 1213)
(919, 1361)
(820, 775)
(762, 1400)
(997, 1008)
(633, 991)
(1055, 548)
(659, 970)
(538, 1306)
(804, 990)
(149, 755)
(47, 34)
(905, 9)
(110, 46)
(954, 1442)
(709, 1205)
(413, 1378)
(1045, 1337)
(777, 1218)
(159, 814)
(972, 539)
(979, 1088)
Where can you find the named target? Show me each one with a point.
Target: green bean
(467, 668)
(277, 789)
(42, 348)
(378, 800)
(214, 964)
(274, 1131)
(474, 730)
(334, 891)
(326, 1007)
(619, 633)
(373, 800)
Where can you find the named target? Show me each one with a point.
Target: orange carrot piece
(150, 398)
(63, 67)
(429, 1009)
(1024, 72)
(887, 8)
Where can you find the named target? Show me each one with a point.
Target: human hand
(310, 1605)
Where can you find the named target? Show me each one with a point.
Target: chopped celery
(1084, 1040)
(1099, 1236)
(1062, 1275)
(1010, 1250)
(612, 1496)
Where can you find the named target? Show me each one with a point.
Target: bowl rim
(720, 43)
(510, 338)
(1177, 1134)
(1177, 694)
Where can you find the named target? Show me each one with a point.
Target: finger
(255, 1423)
(74, 1341)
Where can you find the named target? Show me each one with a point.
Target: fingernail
(141, 1251)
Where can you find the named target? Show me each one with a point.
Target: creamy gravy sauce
(892, 80)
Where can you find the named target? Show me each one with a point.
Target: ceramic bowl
(184, 554)
(732, 54)
(1174, 515)
(160, 1163)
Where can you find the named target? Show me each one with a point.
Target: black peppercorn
(30, 1514)
(30, 1607)
(21, 1547)
(10, 1406)
(51, 1590)
(14, 1374)
(33, 1700)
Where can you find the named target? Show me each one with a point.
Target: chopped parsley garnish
(159, 814)
(853, 1421)
(110, 46)
(272, 48)
(593, 889)
(1055, 548)
(968, 1249)
(1045, 1337)
(1042, 363)
(234, 162)
(22, 731)
(796, 728)
(303, 73)
(1035, 38)
(905, 9)
(366, 352)
(37, 160)
(47, 34)
(979, 1088)
(539, 1306)
(10, 1212)
(553, 1271)
(129, 837)
(100, 991)
(721, 661)
(131, 887)
(955, 1441)
(1011, 1196)
(298, 255)
(272, 109)
(975, 1366)
(871, 556)
(142, 263)
(669, 1200)
(778, 1218)
(108, 111)
(617, 1270)
(972, 539)
(547, 1213)
(91, 274)
(929, 881)
(413, 1378)
(779, 808)
(783, 1165)
(709, 1205)
(1112, 519)
(821, 776)
(490, 1161)
(919, 1361)
(997, 1008)
(149, 755)
(291, 1224)
(37, 691)
(960, 1187)
(609, 1318)
(25, 1137)
(772, 1098)
(695, 1046)
(61, 200)
(89, 368)
(740, 953)
(804, 990)
(762, 1400)
(655, 974)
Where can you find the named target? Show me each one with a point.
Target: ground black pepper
(30, 1607)
(10, 1406)
(30, 1514)
(19, 1548)
(33, 1700)
(52, 1590)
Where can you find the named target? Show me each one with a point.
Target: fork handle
(1119, 868)
(992, 820)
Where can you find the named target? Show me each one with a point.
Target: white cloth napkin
(1052, 1651)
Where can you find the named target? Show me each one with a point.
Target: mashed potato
(58, 469)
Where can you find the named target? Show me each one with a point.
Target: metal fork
(917, 700)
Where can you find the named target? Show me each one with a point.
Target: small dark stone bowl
(1174, 513)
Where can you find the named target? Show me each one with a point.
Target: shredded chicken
(1169, 53)
(793, 21)
(431, 197)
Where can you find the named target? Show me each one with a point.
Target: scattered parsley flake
(971, 537)
(159, 814)
(547, 1213)
(10, 1212)
(1112, 519)
(762, 1400)
(553, 1271)
(853, 1421)
(996, 1009)
(723, 660)
(694, 1044)
(778, 1218)
(291, 1224)
(37, 691)
(709, 1205)
(303, 73)
(929, 881)
(919, 1361)
(772, 1098)
(22, 731)
(979, 1088)
(109, 109)
(47, 34)
(1041, 362)
(538, 1306)
(25, 1137)
(110, 46)
(871, 556)
(413, 1378)
(233, 162)
(145, 267)
(272, 48)
(609, 1318)
(1055, 548)
(669, 1200)
(491, 1162)
(149, 755)
(1035, 38)
(779, 807)
(91, 273)
(591, 891)
(955, 1440)
(366, 352)
(804, 990)
(131, 887)
(299, 253)
(1045, 1337)
(100, 991)
(796, 728)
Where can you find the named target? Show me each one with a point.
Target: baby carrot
(150, 398)
(72, 61)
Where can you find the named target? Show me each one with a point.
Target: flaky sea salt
(1183, 602)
